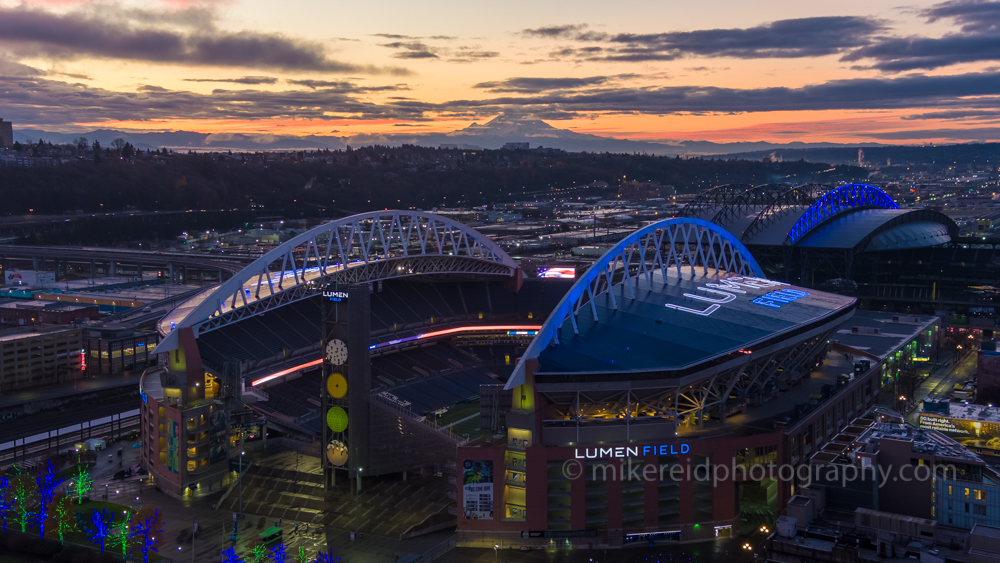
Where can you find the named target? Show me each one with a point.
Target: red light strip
(273, 376)
(477, 328)
(267, 378)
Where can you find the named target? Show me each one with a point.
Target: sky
(719, 70)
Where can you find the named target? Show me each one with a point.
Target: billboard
(477, 489)
(557, 273)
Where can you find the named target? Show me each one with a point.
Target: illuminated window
(966, 492)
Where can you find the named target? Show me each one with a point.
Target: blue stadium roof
(646, 334)
(853, 216)
(880, 229)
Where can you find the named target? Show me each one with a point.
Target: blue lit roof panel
(644, 334)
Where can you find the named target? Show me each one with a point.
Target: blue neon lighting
(773, 298)
(837, 201)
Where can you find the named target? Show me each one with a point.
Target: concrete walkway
(216, 526)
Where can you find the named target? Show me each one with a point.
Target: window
(979, 509)
(950, 492)
(979, 495)
(966, 494)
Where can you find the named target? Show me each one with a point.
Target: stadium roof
(361, 248)
(880, 229)
(672, 298)
(854, 216)
(645, 334)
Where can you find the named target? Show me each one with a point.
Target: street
(941, 382)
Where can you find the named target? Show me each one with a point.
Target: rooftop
(697, 324)
(879, 336)
(9, 334)
(924, 441)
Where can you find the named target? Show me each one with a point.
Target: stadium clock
(336, 352)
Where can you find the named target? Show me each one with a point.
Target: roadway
(99, 383)
(941, 382)
(51, 420)
(148, 258)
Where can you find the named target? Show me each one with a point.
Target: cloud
(411, 50)
(955, 91)
(346, 87)
(14, 68)
(912, 53)
(951, 134)
(979, 40)
(41, 101)
(555, 31)
(471, 55)
(975, 16)
(791, 38)
(419, 50)
(250, 80)
(536, 85)
(186, 37)
(957, 114)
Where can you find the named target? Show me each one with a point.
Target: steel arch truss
(750, 200)
(839, 200)
(356, 249)
(683, 243)
(788, 201)
(714, 198)
(753, 381)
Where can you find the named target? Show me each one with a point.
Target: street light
(239, 479)
(357, 507)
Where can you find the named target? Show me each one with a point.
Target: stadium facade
(673, 350)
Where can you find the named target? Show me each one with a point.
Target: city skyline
(727, 72)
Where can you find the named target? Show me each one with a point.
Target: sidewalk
(216, 526)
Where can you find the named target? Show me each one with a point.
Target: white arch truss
(356, 249)
(684, 243)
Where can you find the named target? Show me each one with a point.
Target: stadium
(445, 311)
(813, 233)
(395, 342)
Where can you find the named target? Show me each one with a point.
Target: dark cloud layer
(38, 100)
(965, 90)
(30, 99)
(975, 16)
(979, 40)
(145, 36)
(792, 38)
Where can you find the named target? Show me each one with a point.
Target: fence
(42, 445)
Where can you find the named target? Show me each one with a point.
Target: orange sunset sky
(717, 70)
